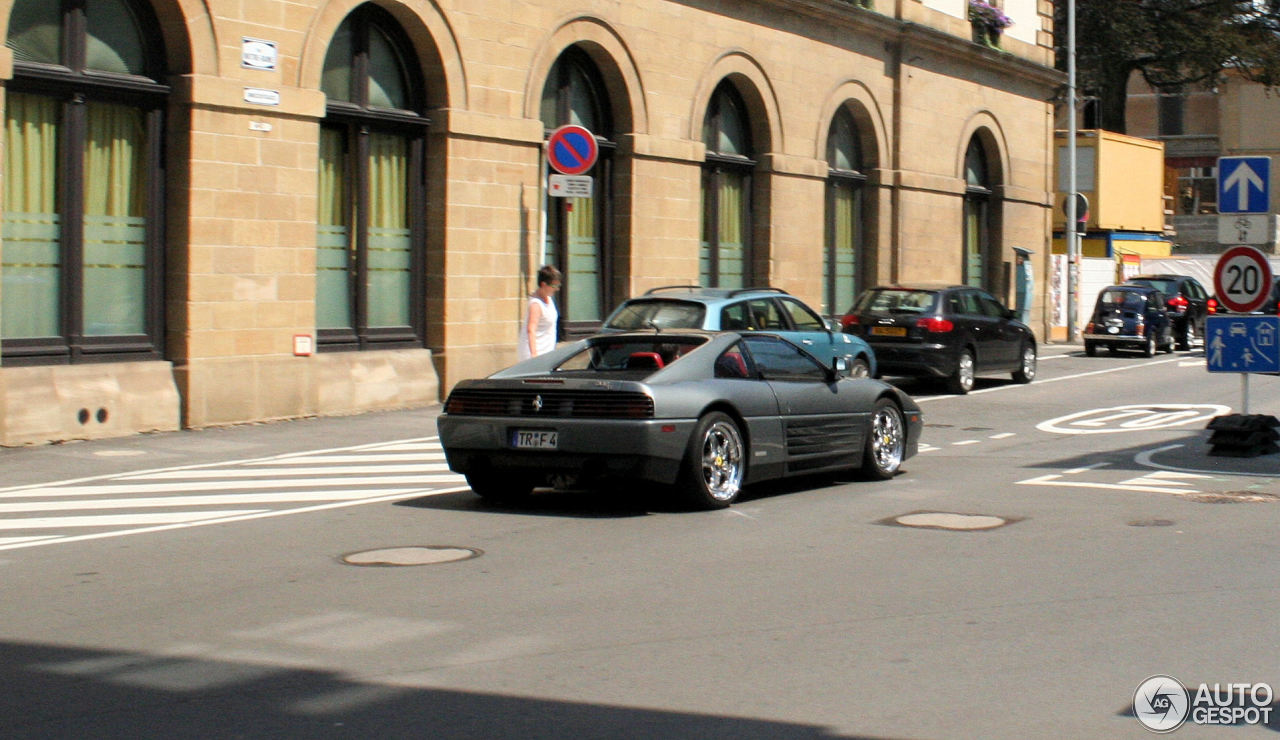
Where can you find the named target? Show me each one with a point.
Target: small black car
(942, 331)
(1129, 317)
(1186, 302)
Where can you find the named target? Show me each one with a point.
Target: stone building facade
(219, 211)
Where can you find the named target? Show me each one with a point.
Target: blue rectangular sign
(1242, 343)
(1244, 184)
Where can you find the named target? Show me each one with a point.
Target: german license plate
(534, 439)
(889, 331)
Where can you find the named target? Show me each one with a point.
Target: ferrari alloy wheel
(961, 382)
(714, 463)
(886, 441)
(1026, 371)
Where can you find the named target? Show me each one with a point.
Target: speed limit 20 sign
(1242, 279)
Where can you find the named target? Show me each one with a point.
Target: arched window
(725, 259)
(579, 237)
(842, 263)
(977, 216)
(370, 288)
(82, 271)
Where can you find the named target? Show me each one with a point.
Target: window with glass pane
(845, 227)
(976, 215)
(578, 236)
(80, 276)
(369, 234)
(725, 255)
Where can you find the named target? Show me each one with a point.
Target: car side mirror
(840, 368)
(833, 326)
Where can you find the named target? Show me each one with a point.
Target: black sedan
(952, 332)
(1129, 317)
(1187, 303)
(707, 413)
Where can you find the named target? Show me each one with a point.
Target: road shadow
(621, 501)
(63, 692)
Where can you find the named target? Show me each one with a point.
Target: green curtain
(390, 244)
(732, 236)
(333, 237)
(584, 261)
(704, 252)
(840, 261)
(115, 224)
(32, 262)
(974, 215)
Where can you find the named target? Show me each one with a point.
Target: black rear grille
(549, 403)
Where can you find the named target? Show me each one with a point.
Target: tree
(1173, 44)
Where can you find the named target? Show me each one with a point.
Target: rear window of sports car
(661, 314)
(645, 354)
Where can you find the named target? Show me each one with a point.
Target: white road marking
(1144, 458)
(966, 442)
(295, 483)
(234, 499)
(122, 520)
(394, 458)
(1167, 478)
(1003, 435)
(1043, 381)
(259, 472)
(216, 485)
(1055, 480)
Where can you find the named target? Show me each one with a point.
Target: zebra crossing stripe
(258, 472)
(118, 520)
(234, 499)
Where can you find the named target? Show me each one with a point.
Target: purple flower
(988, 15)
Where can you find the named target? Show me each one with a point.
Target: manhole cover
(1235, 497)
(415, 555)
(948, 520)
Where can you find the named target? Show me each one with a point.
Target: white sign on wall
(258, 54)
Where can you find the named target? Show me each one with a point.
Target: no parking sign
(572, 150)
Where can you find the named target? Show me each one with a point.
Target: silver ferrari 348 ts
(707, 413)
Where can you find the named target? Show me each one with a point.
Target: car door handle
(806, 341)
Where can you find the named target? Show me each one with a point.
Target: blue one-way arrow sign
(1244, 184)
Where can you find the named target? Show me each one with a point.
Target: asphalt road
(1051, 547)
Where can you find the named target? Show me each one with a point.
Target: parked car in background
(1187, 303)
(706, 412)
(1272, 305)
(954, 332)
(1131, 316)
(743, 309)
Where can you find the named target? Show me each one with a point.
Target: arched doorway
(579, 237)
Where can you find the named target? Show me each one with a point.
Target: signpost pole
(1244, 393)
(1073, 242)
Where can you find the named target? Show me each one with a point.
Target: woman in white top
(538, 329)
